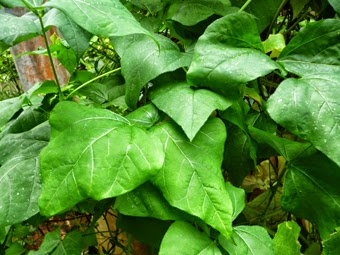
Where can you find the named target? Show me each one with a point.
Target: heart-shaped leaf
(191, 178)
(93, 153)
(182, 238)
(309, 108)
(228, 55)
(197, 105)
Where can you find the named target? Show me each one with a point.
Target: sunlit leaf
(286, 239)
(94, 153)
(191, 177)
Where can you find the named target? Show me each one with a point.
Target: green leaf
(314, 49)
(8, 108)
(237, 196)
(191, 12)
(105, 18)
(152, 6)
(182, 238)
(286, 239)
(145, 116)
(94, 153)
(142, 61)
(76, 36)
(191, 177)
(51, 241)
(249, 240)
(196, 105)
(336, 5)
(147, 201)
(16, 30)
(311, 191)
(309, 108)
(12, 3)
(287, 148)
(297, 6)
(331, 244)
(19, 174)
(228, 54)
(239, 155)
(263, 10)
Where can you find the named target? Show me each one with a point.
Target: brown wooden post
(35, 68)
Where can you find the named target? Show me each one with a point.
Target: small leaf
(182, 238)
(237, 196)
(196, 105)
(191, 178)
(8, 108)
(286, 239)
(51, 241)
(16, 30)
(309, 108)
(145, 116)
(249, 240)
(19, 174)
(228, 54)
(142, 61)
(105, 18)
(314, 49)
(311, 191)
(94, 153)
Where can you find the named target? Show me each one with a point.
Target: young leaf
(237, 196)
(147, 201)
(311, 191)
(76, 36)
(145, 116)
(286, 239)
(8, 108)
(19, 174)
(191, 177)
(182, 238)
(249, 240)
(105, 18)
(142, 61)
(199, 104)
(315, 49)
(94, 154)
(16, 30)
(228, 54)
(309, 108)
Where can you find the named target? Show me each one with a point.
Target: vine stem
(245, 5)
(94, 79)
(61, 96)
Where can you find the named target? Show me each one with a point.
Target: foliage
(192, 120)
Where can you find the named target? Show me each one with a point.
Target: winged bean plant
(206, 127)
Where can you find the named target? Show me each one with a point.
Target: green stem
(245, 5)
(92, 80)
(284, 2)
(297, 22)
(61, 96)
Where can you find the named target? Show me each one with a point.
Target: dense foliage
(207, 127)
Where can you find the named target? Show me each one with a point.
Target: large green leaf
(287, 148)
(331, 244)
(228, 54)
(191, 177)
(142, 61)
(191, 12)
(19, 174)
(19, 3)
(196, 105)
(104, 18)
(286, 239)
(263, 10)
(15, 30)
(248, 240)
(309, 108)
(77, 38)
(311, 191)
(182, 238)
(315, 49)
(93, 153)
(147, 201)
(336, 5)
(237, 196)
